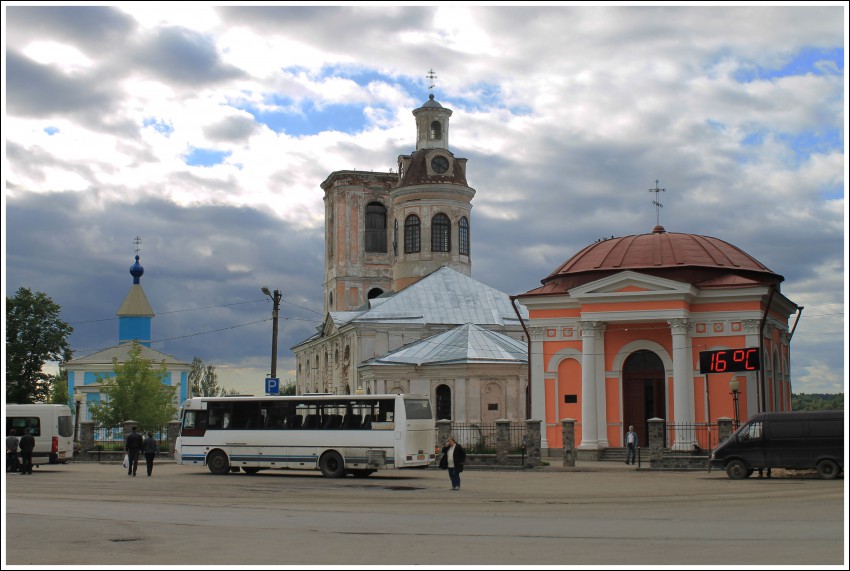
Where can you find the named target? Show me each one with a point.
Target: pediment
(629, 283)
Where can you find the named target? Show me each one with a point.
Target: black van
(793, 440)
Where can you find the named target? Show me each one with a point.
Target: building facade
(135, 317)
(617, 332)
(398, 266)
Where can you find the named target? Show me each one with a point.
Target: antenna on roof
(431, 76)
(657, 203)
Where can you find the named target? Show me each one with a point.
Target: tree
(203, 380)
(59, 385)
(817, 401)
(135, 392)
(34, 335)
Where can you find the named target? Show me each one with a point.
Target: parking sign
(272, 386)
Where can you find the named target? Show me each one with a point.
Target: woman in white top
(453, 458)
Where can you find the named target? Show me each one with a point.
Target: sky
(205, 132)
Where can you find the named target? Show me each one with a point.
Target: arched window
(441, 228)
(411, 234)
(331, 300)
(374, 292)
(444, 403)
(376, 227)
(436, 131)
(463, 236)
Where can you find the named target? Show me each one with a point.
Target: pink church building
(617, 331)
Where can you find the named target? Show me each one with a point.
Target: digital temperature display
(729, 360)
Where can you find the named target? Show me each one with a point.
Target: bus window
(417, 409)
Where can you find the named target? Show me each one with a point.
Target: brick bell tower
(385, 231)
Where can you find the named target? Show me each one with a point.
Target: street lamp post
(733, 386)
(275, 297)
(78, 400)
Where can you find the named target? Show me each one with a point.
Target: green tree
(817, 401)
(34, 335)
(135, 392)
(203, 380)
(59, 385)
(288, 389)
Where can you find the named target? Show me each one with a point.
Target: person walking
(26, 444)
(133, 447)
(12, 451)
(631, 444)
(151, 450)
(452, 460)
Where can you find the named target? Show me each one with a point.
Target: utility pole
(275, 297)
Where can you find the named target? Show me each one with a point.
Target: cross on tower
(431, 76)
(138, 242)
(657, 203)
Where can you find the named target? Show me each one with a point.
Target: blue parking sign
(272, 386)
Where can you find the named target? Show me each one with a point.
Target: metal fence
(704, 434)
(480, 438)
(112, 439)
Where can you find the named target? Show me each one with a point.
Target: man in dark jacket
(151, 450)
(27, 444)
(133, 447)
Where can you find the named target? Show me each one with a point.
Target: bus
(52, 425)
(337, 434)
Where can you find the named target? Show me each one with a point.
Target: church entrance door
(643, 393)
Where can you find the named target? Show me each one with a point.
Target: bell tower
(431, 203)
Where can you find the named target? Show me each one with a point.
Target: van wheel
(332, 465)
(217, 463)
(737, 470)
(828, 469)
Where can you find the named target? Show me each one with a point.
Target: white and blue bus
(337, 434)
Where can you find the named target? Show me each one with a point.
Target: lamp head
(266, 291)
(733, 385)
(78, 396)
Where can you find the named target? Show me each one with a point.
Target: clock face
(440, 164)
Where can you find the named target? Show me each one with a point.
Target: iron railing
(112, 439)
(480, 438)
(702, 436)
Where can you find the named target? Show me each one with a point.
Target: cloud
(567, 114)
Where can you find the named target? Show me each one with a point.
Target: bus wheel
(361, 473)
(737, 470)
(828, 469)
(332, 465)
(217, 463)
(250, 471)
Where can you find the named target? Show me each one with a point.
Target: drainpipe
(528, 338)
(763, 400)
(800, 309)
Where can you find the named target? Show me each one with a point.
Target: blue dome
(136, 271)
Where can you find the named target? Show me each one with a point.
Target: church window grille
(463, 236)
(411, 234)
(444, 403)
(376, 227)
(441, 234)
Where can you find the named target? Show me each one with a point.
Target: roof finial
(138, 242)
(657, 203)
(431, 76)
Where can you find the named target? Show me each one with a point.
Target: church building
(403, 313)
(135, 318)
(617, 332)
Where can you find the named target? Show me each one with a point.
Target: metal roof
(122, 352)
(444, 296)
(465, 344)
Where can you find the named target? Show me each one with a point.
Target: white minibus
(52, 425)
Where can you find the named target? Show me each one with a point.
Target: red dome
(699, 260)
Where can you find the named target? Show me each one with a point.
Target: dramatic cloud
(207, 131)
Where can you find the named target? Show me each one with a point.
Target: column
(683, 382)
(590, 331)
(538, 383)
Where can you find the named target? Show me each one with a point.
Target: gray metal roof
(467, 343)
(121, 353)
(444, 296)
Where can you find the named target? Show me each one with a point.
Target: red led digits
(729, 361)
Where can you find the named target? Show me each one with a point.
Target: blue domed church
(135, 318)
